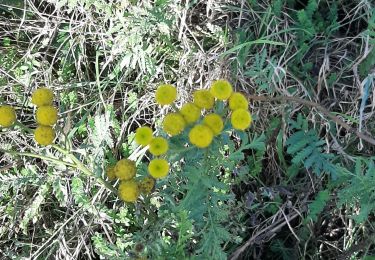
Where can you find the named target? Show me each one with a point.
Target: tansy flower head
(221, 89)
(203, 99)
(42, 97)
(128, 191)
(7, 116)
(110, 171)
(46, 115)
(158, 146)
(158, 168)
(146, 184)
(190, 112)
(241, 119)
(125, 169)
(44, 135)
(173, 124)
(201, 136)
(237, 101)
(214, 122)
(143, 135)
(166, 94)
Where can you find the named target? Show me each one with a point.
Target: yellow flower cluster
(129, 188)
(201, 134)
(212, 124)
(157, 146)
(46, 116)
(7, 116)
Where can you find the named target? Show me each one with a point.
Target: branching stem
(318, 107)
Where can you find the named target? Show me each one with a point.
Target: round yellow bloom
(42, 97)
(214, 122)
(158, 146)
(158, 168)
(203, 99)
(201, 136)
(44, 135)
(238, 101)
(128, 191)
(221, 89)
(241, 119)
(125, 169)
(173, 124)
(166, 94)
(46, 115)
(146, 184)
(143, 135)
(190, 112)
(110, 171)
(7, 116)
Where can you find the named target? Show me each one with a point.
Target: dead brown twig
(318, 107)
(276, 226)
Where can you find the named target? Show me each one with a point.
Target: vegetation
(153, 153)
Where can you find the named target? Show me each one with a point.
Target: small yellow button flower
(158, 146)
(110, 172)
(128, 191)
(203, 99)
(221, 89)
(201, 136)
(158, 168)
(190, 112)
(7, 116)
(143, 135)
(241, 119)
(44, 135)
(238, 101)
(46, 115)
(42, 97)
(125, 169)
(173, 124)
(165, 94)
(214, 122)
(146, 184)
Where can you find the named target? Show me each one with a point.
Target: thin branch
(42, 157)
(275, 227)
(318, 107)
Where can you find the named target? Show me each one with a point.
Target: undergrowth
(296, 185)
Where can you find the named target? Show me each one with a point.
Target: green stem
(54, 160)
(80, 166)
(77, 164)
(23, 127)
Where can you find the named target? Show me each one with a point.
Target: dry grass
(110, 57)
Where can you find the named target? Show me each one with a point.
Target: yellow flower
(158, 146)
(203, 99)
(125, 169)
(165, 94)
(158, 168)
(221, 89)
(214, 122)
(190, 112)
(110, 171)
(241, 119)
(42, 97)
(128, 191)
(44, 135)
(143, 135)
(201, 136)
(46, 115)
(7, 116)
(173, 124)
(237, 101)
(146, 184)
